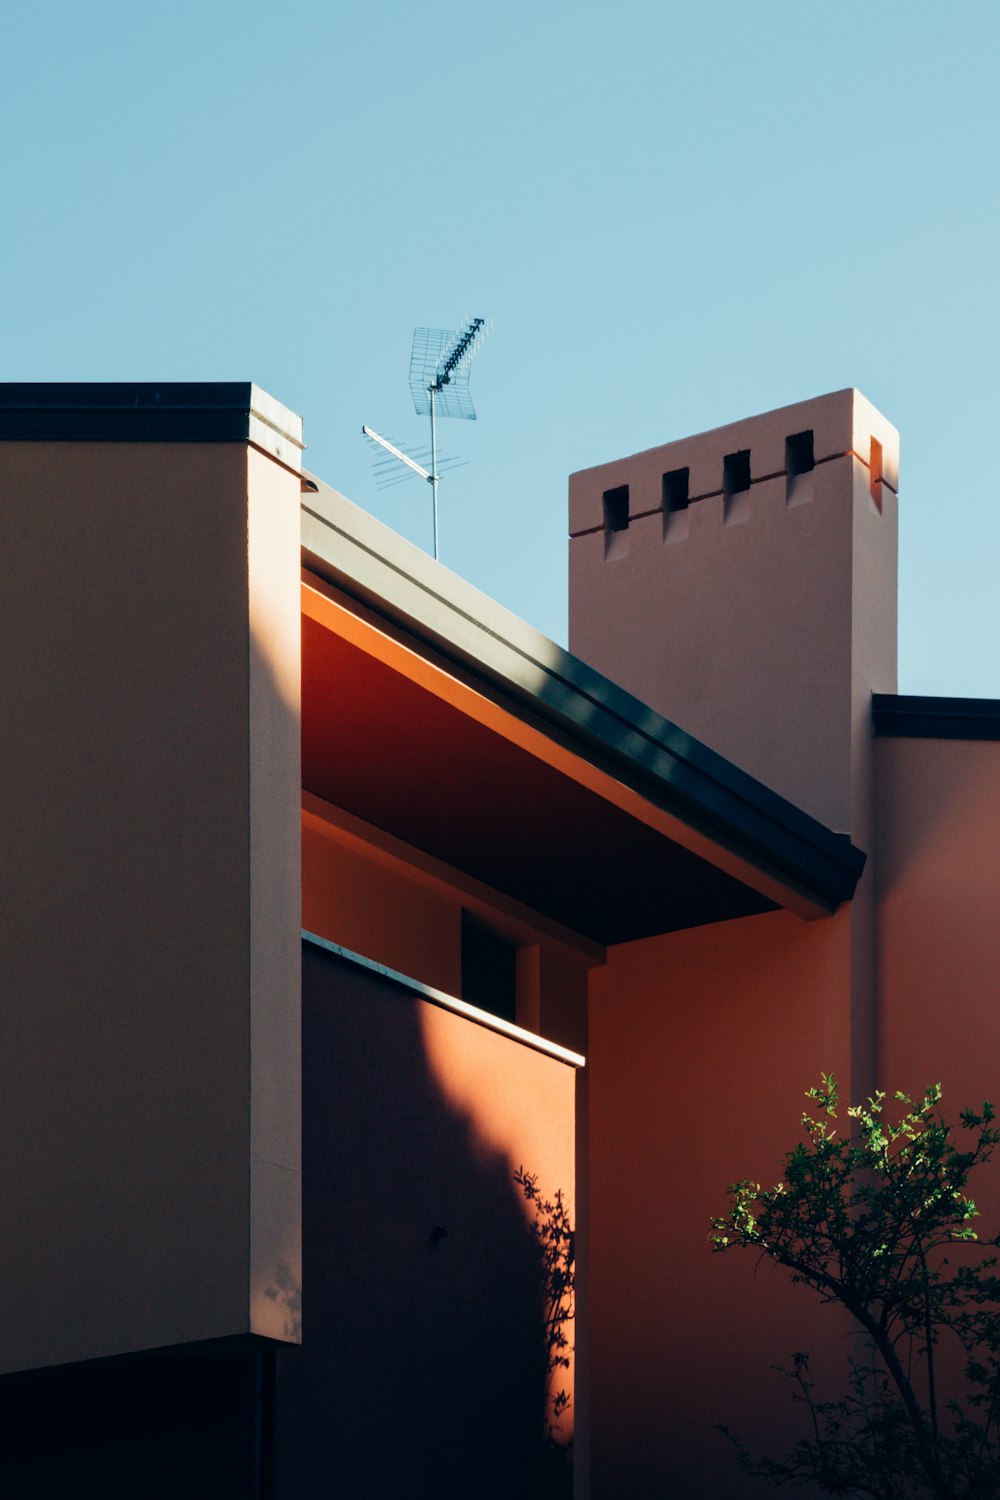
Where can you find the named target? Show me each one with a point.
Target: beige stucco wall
(149, 891)
(760, 622)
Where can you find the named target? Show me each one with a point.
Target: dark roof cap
(906, 715)
(144, 412)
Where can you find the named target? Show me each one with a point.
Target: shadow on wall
(423, 1367)
(286, 1293)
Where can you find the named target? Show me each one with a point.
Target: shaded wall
(422, 1365)
(701, 1046)
(171, 1424)
(149, 885)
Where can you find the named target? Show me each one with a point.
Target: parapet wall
(727, 461)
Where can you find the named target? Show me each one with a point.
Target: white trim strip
(452, 1003)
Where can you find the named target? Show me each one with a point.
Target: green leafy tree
(880, 1222)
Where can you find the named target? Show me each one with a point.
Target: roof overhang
(432, 713)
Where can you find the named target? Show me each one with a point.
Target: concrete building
(334, 896)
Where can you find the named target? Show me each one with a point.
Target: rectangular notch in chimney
(736, 485)
(800, 460)
(675, 489)
(616, 521)
(736, 472)
(675, 502)
(616, 509)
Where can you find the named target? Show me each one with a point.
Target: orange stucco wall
(938, 937)
(938, 893)
(357, 902)
(397, 914)
(701, 1045)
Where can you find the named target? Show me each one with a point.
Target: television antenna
(439, 383)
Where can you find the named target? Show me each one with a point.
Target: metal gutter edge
(372, 564)
(450, 1002)
(909, 716)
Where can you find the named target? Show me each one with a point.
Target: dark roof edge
(380, 569)
(145, 412)
(907, 715)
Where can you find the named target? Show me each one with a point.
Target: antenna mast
(439, 385)
(439, 369)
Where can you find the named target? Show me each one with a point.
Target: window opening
(489, 970)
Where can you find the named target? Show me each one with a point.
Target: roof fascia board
(370, 563)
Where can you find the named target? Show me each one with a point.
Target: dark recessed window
(675, 490)
(736, 472)
(799, 458)
(489, 970)
(616, 509)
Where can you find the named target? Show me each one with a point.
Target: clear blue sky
(674, 214)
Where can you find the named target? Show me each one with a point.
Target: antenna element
(439, 384)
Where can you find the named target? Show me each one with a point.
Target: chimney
(743, 583)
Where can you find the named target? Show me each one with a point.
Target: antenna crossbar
(404, 458)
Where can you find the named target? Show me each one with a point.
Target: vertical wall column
(743, 583)
(150, 1089)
